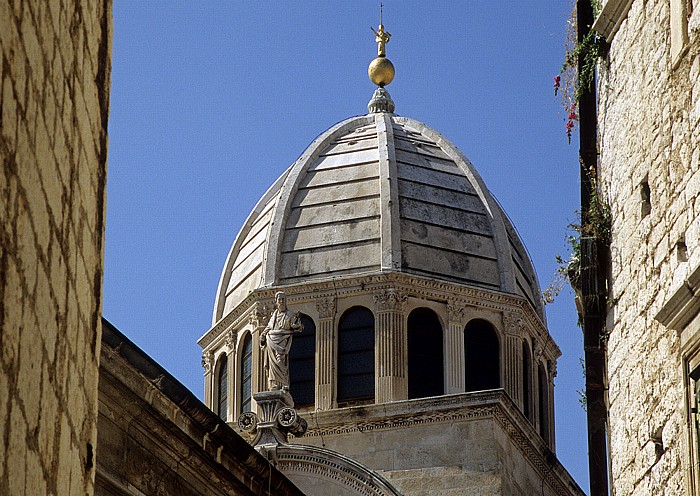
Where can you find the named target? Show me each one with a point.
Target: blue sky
(212, 101)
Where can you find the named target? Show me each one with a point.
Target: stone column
(258, 320)
(326, 354)
(390, 356)
(207, 361)
(230, 343)
(551, 374)
(453, 349)
(512, 365)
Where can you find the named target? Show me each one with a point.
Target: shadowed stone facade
(54, 87)
(649, 131)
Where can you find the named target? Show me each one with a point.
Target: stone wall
(54, 87)
(648, 136)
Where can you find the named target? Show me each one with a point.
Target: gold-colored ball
(381, 71)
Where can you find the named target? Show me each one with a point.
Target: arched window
(527, 381)
(481, 356)
(356, 356)
(302, 363)
(543, 403)
(247, 374)
(222, 387)
(425, 362)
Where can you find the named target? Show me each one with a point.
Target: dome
(378, 193)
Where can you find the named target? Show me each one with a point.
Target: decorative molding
(326, 307)
(552, 369)
(611, 16)
(391, 300)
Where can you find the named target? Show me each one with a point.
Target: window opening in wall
(527, 381)
(425, 360)
(543, 403)
(695, 415)
(247, 374)
(356, 357)
(645, 196)
(681, 251)
(222, 387)
(481, 355)
(302, 363)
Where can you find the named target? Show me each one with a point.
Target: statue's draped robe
(278, 343)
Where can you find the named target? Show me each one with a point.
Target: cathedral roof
(378, 193)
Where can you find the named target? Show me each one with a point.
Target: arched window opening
(425, 359)
(222, 387)
(543, 403)
(247, 374)
(356, 357)
(481, 356)
(527, 381)
(302, 363)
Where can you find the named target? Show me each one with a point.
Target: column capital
(514, 323)
(207, 360)
(230, 341)
(455, 311)
(326, 307)
(260, 315)
(390, 300)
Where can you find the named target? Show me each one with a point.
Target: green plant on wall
(567, 82)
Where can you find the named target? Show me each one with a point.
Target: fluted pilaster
(512, 357)
(391, 347)
(326, 354)
(454, 349)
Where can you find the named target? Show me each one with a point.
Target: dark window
(356, 356)
(481, 356)
(544, 404)
(645, 196)
(247, 374)
(695, 407)
(302, 363)
(222, 387)
(425, 362)
(527, 381)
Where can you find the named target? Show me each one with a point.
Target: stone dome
(378, 193)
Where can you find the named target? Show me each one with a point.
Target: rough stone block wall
(54, 94)
(649, 129)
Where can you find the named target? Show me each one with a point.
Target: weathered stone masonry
(649, 130)
(54, 87)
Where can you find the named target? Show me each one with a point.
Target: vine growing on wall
(597, 223)
(567, 82)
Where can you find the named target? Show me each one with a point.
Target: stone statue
(276, 341)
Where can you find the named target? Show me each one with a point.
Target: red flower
(557, 83)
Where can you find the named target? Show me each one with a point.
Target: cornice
(611, 16)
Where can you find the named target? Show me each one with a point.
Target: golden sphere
(381, 71)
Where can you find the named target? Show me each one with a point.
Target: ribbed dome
(378, 193)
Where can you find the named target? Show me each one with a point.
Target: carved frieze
(390, 300)
(326, 307)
